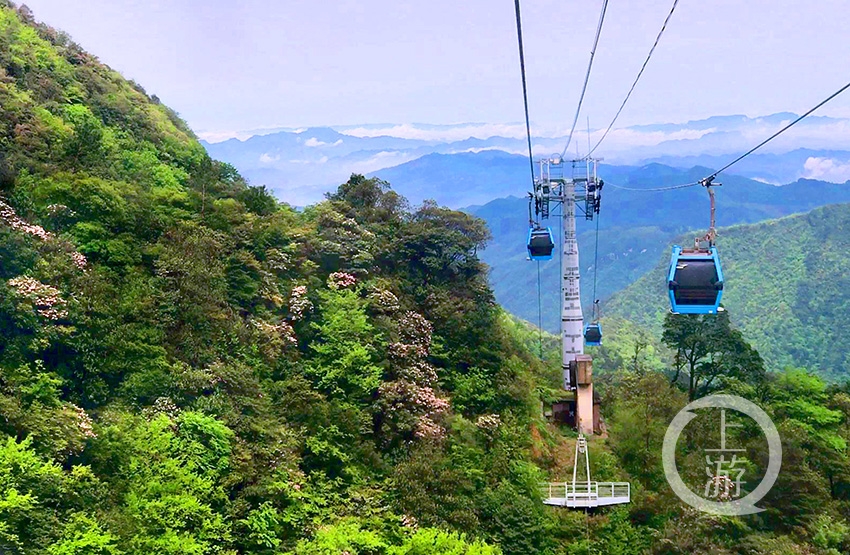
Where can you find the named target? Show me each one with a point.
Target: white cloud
(448, 133)
(322, 160)
(622, 145)
(491, 148)
(619, 139)
(221, 136)
(764, 180)
(314, 142)
(827, 169)
(443, 133)
(266, 158)
(546, 138)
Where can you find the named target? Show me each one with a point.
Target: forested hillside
(188, 366)
(786, 287)
(635, 228)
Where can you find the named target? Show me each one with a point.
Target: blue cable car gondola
(695, 281)
(540, 244)
(593, 334)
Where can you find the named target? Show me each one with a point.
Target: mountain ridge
(790, 302)
(188, 365)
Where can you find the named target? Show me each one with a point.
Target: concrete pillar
(584, 394)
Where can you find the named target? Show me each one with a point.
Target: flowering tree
(409, 404)
(9, 217)
(42, 298)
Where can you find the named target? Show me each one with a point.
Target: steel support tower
(573, 185)
(578, 192)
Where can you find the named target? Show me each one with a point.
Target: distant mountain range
(301, 165)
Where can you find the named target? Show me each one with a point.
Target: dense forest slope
(786, 287)
(635, 229)
(188, 366)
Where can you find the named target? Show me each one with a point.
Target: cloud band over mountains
(314, 160)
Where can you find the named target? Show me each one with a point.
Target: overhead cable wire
(640, 73)
(596, 264)
(641, 190)
(709, 178)
(539, 311)
(587, 75)
(530, 155)
(524, 88)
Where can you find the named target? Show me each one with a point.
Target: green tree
(644, 406)
(430, 541)
(83, 535)
(708, 350)
(85, 147)
(347, 536)
(345, 348)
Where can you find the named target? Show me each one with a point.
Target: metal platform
(586, 494)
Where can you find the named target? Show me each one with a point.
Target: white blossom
(299, 304)
(341, 280)
(46, 299)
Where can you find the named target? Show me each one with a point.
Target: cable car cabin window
(540, 244)
(593, 334)
(695, 282)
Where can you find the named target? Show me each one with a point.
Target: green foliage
(86, 142)
(429, 541)
(349, 536)
(644, 406)
(83, 535)
(344, 347)
(516, 520)
(36, 496)
(708, 352)
(172, 485)
(263, 526)
(830, 533)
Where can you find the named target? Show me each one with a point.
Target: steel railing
(586, 491)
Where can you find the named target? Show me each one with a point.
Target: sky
(237, 65)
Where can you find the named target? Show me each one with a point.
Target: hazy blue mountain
(461, 179)
(301, 165)
(474, 178)
(636, 229)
